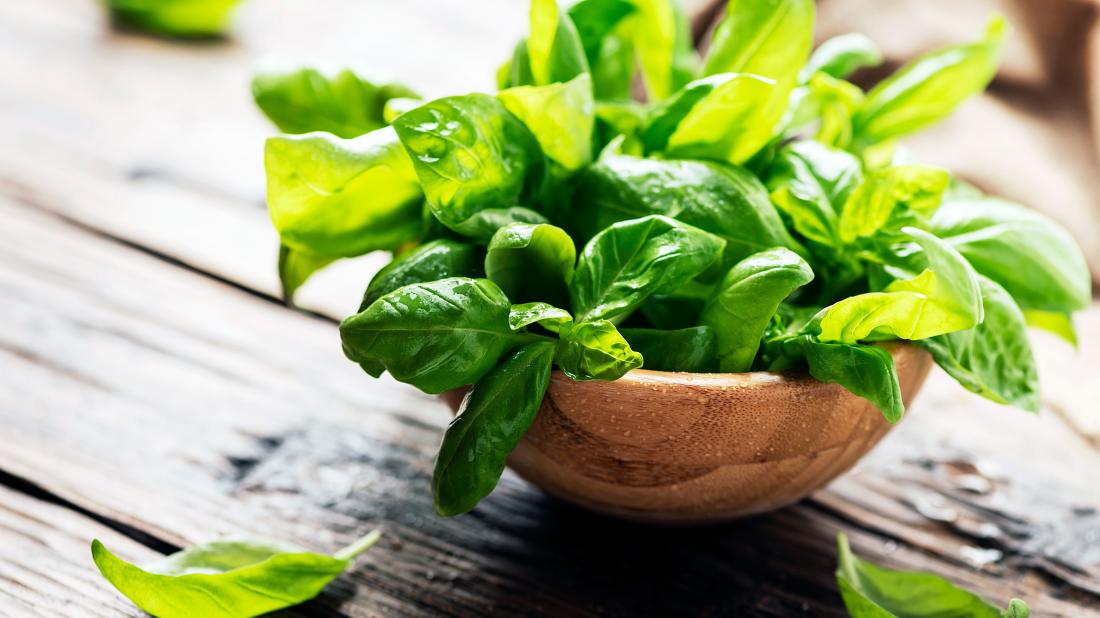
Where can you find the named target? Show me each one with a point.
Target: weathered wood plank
(187, 409)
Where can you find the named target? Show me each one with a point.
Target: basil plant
(749, 211)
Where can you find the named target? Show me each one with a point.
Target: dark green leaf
(725, 200)
(234, 578)
(470, 153)
(630, 260)
(438, 259)
(484, 223)
(531, 262)
(747, 298)
(994, 358)
(692, 349)
(929, 88)
(866, 371)
(492, 420)
(810, 183)
(305, 99)
(339, 198)
(437, 335)
(1031, 256)
(594, 351)
(870, 591)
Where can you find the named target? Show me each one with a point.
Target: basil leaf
(721, 199)
(436, 335)
(769, 39)
(561, 117)
(470, 154)
(917, 188)
(305, 99)
(594, 351)
(544, 314)
(664, 116)
(531, 262)
(865, 370)
(1031, 256)
(605, 35)
(994, 358)
(823, 108)
(731, 123)
(807, 181)
(341, 198)
(630, 260)
(438, 259)
(870, 591)
(492, 420)
(692, 349)
(672, 311)
(484, 223)
(929, 88)
(398, 105)
(944, 298)
(841, 56)
(1054, 322)
(554, 48)
(295, 267)
(746, 300)
(662, 38)
(178, 18)
(233, 578)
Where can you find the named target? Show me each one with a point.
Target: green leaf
(561, 116)
(664, 116)
(233, 578)
(594, 350)
(1054, 322)
(917, 188)
(396, 106)
(731, 123)
(809, 182)
(1030, 255)
(662, 38)
(630, 260)
(492, 420)
(693, 349)
(944, 298)
(770, 39)
(841, 56)
(531, 262)
(871, 591)
(341, 198)
(673, 311)
(178, 18)
(544, 314)
(606, 36)
(438, 259)
(481, 225)
(929, 88)
(746, 300)
(823, 108)
(994, 358)
(554, 48)
(721, 199)
(295, 267)
(305, 99)
(470, 153)
(437, 335)
(865, 370)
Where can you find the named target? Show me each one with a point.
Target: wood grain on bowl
(693, 448)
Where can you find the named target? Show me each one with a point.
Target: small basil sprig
(871, 591)
(232, 578)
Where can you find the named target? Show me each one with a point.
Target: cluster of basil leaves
(753, 214)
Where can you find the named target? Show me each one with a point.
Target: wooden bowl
(694, 448)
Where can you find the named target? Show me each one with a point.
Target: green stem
(358, 547)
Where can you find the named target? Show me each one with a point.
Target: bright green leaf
(1054, 322)
(234, 578)
(561, 116)
(731, 123)
(841, 56)
(179, 18)
(771, 39)
(918, 188)
(544, 314)
(295, 267)
(809, 182)
(865, 370)
(594, 350)
(554, 48)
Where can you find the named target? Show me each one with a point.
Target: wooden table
(155, 394)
